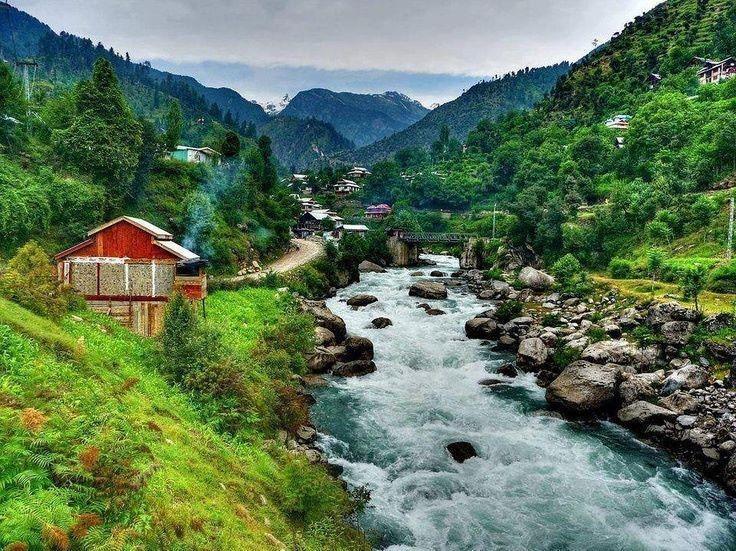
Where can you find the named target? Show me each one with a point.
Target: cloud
(468, 37)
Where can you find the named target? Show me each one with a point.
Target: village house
(195, 155)
(378, 212)
(716, 71)
(619, 122)
(345, 187)
(654, 80)
(308, 204)
(358, 172)
(128, 268)
(316, 220)
(358, 229)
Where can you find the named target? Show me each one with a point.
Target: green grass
(163, 478)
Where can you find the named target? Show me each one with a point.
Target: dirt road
(305, 252)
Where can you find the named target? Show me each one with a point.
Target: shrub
(508, 311)
(723, 279)
(551, 320)
(570, 276)
(620, 268)
(597, 334)
(494, 274)
(30, 280)
(564, 355)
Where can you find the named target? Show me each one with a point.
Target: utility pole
(729, 252)
(493, 233)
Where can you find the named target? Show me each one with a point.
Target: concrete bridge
(404, 246)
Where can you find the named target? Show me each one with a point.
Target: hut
(128, 268)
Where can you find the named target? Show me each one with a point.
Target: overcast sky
(431, 49)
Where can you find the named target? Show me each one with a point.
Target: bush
(30, 280)
(564, 356)
(494, 274)
(723, 279)
(508, 310)
(570, 276)
(620, 268)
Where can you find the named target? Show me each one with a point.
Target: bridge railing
(429, 237)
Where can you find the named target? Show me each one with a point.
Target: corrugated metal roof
(177, 250)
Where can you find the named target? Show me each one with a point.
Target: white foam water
(539, 482)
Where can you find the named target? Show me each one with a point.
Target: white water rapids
(538, 483)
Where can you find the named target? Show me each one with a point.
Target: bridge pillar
(473, 254)
(402, 253)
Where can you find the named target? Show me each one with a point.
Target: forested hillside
(361, 118)
(485, 100)
(562, 180)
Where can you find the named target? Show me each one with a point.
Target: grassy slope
(163, 478)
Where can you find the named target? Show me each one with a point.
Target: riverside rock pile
(584, 353)
(336, 352)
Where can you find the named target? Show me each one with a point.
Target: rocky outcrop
(432, 290)
(322, 360)
(535, 279)
(358, 348)
(370, 267)
(664, 312)
(685, 378)
(325, 318)
(358, 301)
(585, 387)
(324, 337)
(619, 352)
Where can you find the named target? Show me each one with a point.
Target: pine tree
(174, 123)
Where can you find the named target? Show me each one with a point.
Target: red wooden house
(128, 268)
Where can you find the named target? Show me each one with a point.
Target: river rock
(324, 337)
(584, 387)
(619, 352)
(644, 413)
(361, 300)
(381, 323)
(325, 318)
(535, 279)
(428, 289)
(507, 369)
(436, 273)
(532, 353)
(677, 333)
(435, 312)
(306, 434)
(358, 348)
(642, 386)
(680, 402)
(321, 360)
(481, 328)
(685, 378)
(370, 267)
(461, 451)
(661, 313)
(356, 368)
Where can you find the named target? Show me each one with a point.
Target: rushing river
(539, 482)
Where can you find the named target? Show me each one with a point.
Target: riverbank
(536, 477)
(660, 369)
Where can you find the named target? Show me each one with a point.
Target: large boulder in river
(358, 348)
(481, 328)
(428, 289)
(356, 368)
(644, 413)
(532, 353)
(381, 323)
(361, 300)
(461, 451)
(370, 267)
(535, 279)
(585, 387)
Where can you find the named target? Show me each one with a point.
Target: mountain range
(313, 127)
